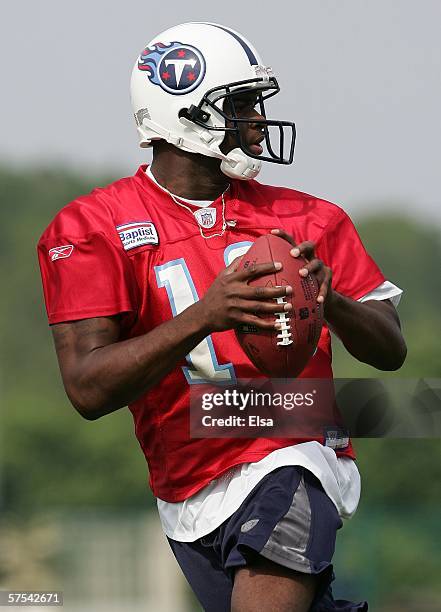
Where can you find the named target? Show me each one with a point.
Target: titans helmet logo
(177, 68)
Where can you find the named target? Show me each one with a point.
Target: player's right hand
(230, 301)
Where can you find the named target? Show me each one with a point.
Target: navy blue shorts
(287, 518)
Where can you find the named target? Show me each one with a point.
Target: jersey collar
(242, 200)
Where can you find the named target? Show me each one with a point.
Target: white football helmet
(183, 86)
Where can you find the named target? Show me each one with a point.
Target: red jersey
(129, 248)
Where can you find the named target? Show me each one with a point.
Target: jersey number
(203, 365)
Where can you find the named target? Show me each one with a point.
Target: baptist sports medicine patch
(61, 252)
(137, 233)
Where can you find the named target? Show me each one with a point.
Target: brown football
(283, 353)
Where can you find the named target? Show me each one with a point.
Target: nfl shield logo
(206, 217)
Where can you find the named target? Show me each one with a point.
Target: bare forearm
(112, 376)
(369, 330)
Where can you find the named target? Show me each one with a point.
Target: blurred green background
(75, 510)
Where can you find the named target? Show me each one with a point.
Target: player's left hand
(314, 266)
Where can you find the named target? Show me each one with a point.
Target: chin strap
(237, 165)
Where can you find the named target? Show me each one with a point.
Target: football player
(147, 301)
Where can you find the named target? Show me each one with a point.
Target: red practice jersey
(129, 248)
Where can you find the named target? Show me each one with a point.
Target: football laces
(284, 334)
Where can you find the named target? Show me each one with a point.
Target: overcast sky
(361, 79)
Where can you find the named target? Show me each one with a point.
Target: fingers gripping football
(230, 301)
(314, 266)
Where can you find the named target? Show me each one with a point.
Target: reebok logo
(61, 252)
(249, 525)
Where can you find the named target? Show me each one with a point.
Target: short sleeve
(354, 272)
(385, 291)
(84, 277)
